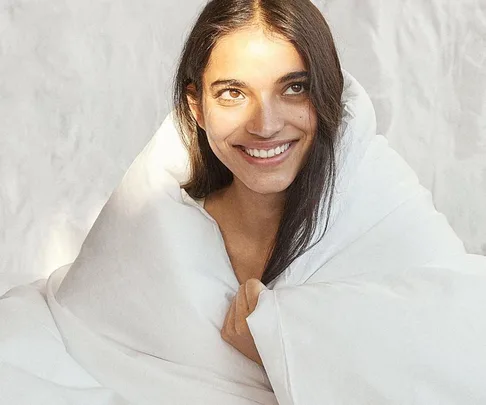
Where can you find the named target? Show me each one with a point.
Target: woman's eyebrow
(239, 83)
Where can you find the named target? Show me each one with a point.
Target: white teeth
(264, 154)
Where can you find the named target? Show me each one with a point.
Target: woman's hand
(235, 328)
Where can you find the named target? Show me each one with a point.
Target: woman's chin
(268, 187)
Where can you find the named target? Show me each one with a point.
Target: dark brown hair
(302, 24)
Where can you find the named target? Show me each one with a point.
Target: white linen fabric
(386, 309)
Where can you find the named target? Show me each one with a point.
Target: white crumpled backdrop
(85, 84)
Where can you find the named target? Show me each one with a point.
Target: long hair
(303, 25)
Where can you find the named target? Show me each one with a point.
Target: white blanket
(387, 309)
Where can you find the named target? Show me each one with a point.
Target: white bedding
(34, 365)
(386, 309)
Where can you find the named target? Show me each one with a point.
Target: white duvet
(387, 309)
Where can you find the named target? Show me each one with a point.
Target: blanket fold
(415, 336)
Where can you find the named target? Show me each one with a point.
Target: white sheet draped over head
(349, 322)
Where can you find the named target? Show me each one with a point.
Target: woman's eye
(297, 89)
(232, 94)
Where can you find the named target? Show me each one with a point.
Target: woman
(261, 140)
(300, 262)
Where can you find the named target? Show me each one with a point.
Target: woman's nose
(265, 120)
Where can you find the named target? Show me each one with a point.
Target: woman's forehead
(252, 56)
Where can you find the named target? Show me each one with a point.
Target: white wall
(85, 84)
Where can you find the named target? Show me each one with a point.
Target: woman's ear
(195, 105)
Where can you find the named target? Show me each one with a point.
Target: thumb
(253, 288)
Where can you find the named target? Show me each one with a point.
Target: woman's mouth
(266, 154)
(267, 157)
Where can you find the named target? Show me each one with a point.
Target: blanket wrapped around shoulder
(388, 308)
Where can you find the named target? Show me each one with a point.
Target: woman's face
(256, 109)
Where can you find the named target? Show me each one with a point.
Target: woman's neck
(255, 215)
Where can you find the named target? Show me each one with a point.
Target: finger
(253, 289)
(241, 326)
(241, 302)
(229, 322)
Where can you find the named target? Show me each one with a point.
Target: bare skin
(247, 243)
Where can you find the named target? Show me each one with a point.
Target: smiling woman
(258, 95)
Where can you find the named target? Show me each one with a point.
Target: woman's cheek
(220, 124)
(303, 118)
